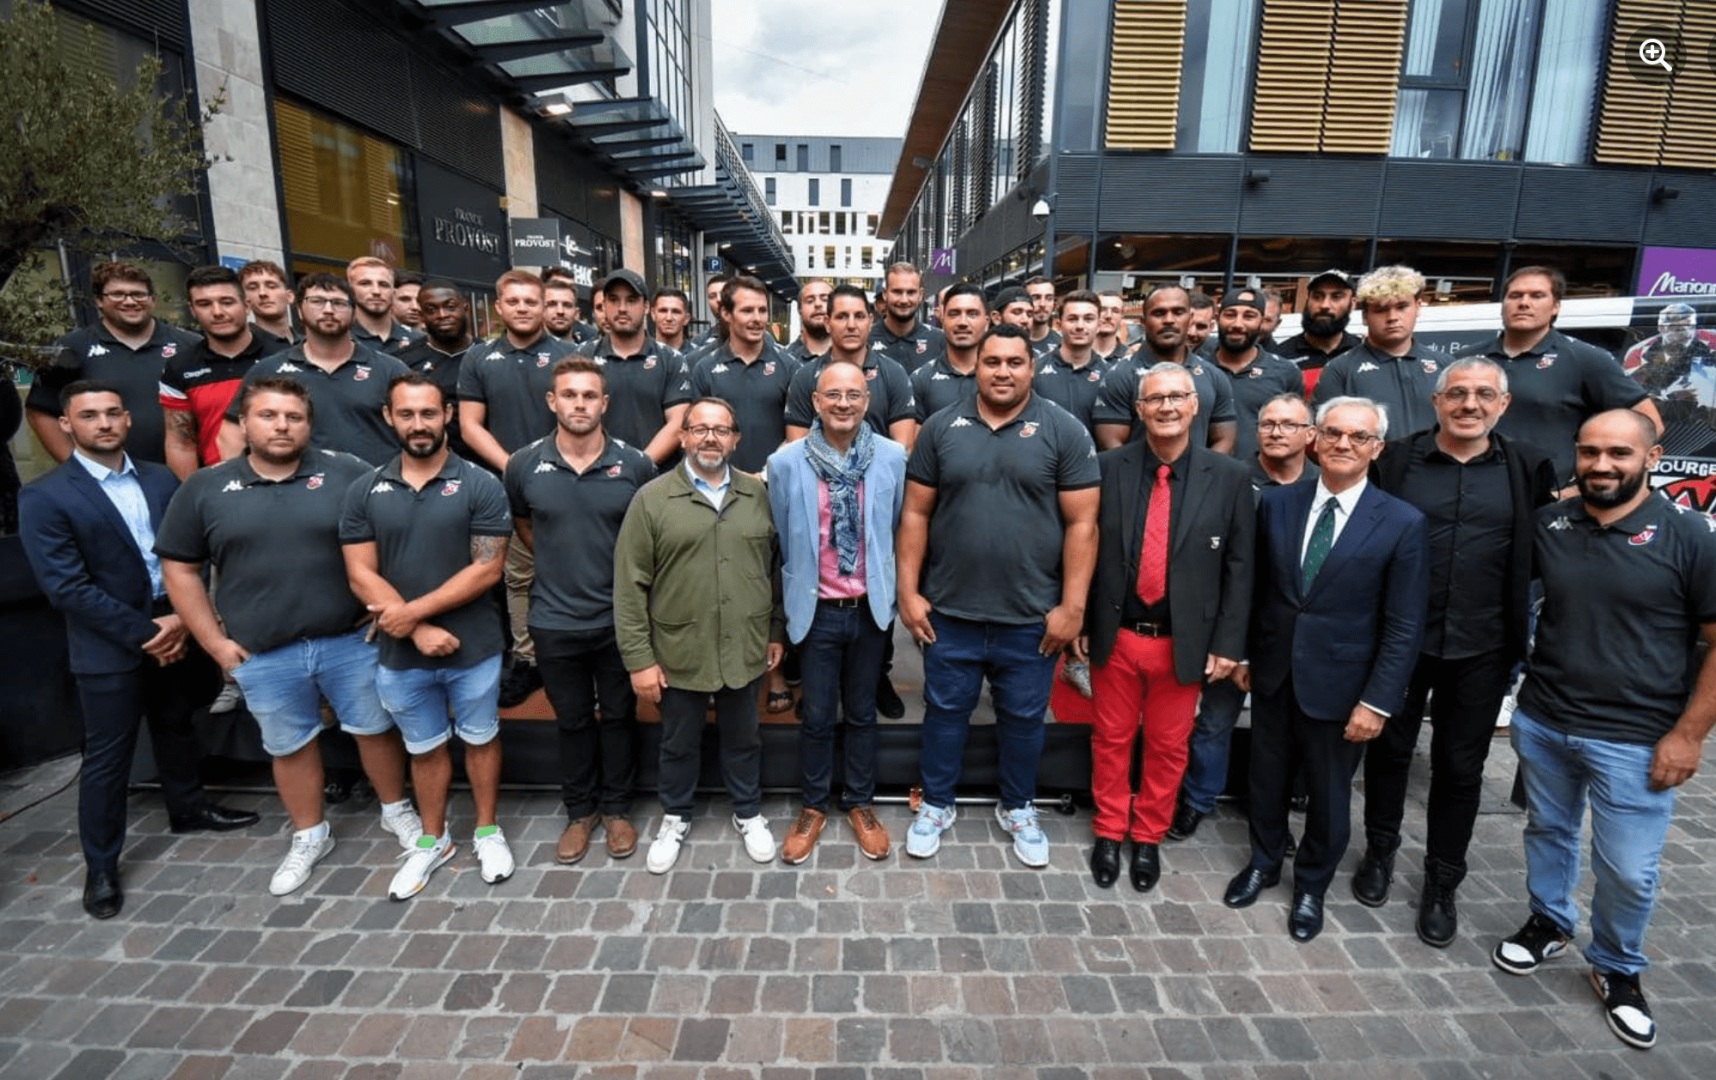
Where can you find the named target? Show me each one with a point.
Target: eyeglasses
(135, 297)
(1156, 401)
(703, 431)
(1459, 395)
(337, 303)
(1285, 427)
(835, 397)
(1333, 436)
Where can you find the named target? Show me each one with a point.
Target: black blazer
(1210, 556)
(1356, 634)
(88, 564)
(1531, 480)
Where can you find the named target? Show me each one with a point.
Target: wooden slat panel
(1633, 115)
(1689, 130)
(1292, 75)
(1364, 76)
(1144, 60)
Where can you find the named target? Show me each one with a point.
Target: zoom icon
(1654, 54)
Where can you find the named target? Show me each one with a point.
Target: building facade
(1268, 139)
(827, 195)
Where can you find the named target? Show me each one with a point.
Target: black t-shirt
(1615, 657)
(513, 384)
(422, 539)
(641, 388)
(1401, 384)
(912, 350)
(575, 526)
(1469, 510)
(347, 400)
(890, 392)
(996, 533)
(758, 393)
(937, 385)
(94, 353)
(276, 546)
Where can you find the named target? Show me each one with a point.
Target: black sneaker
(521, 682)
(1624, 1004)
(1538, 940)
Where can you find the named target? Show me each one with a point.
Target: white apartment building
(827, 195)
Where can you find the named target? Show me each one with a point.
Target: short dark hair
(1038, 279)
(414, 378)
(1005, 330)
(325, 281)
(685, 424)
(964, 288)
(672, 293)
(734, 284)
(403, 278)
(556, 273)
(109, 272)
(1557, 280)
(205, 277)
(439, 283)
(1079, 296)
(87, 386)
(846, 288)
(578, 365)
(1174, 286)
(277, 384)
(1200, 301)
(264, 266)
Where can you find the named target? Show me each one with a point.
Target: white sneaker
(406, 825)
(494, 857)
(759, 842)
(306, 851)
(424, 859)
(227, 700)
(664, 849)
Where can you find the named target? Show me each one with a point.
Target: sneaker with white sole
(664, 849)
(494, 857)
(308, 848)
(759, 842)
(426, 856)
(923, 839)
(1529, 946)
(1624, 1004)
(405, 825)
(227, 700)
(1029, 843)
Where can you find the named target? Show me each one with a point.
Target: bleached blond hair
(1389, 283)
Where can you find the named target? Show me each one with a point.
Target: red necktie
(1153, 562)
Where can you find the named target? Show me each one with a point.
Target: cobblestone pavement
(965, 966)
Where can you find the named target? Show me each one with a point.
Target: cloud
(786, 67)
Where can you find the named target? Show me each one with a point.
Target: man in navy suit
(1336, 623)
(88, 529)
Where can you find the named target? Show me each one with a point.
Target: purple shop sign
(1671, 271)
(941, 260)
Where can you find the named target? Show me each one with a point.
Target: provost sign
(535, 241)
(460, 224)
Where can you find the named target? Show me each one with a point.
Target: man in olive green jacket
(698, 616)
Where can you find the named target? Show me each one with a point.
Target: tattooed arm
(488, 560)
(182, 455)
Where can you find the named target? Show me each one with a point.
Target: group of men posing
(352, 509)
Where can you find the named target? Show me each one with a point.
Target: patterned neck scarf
(842, 473)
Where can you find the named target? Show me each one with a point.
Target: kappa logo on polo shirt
(288, 366)
(1048, 369)
(496, 355)
(1642, 538)
(1367, 366)
(360, 373)
(718, 369)
(1560, 524)
(233, 485)
(381, 487)
(940, 376)
(451, 487)
(97, 350)
(315, 481)
(961, 422)
(1028, 429)
(544, 466)
(1547, 361)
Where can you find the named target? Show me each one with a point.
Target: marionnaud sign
(1671, 271)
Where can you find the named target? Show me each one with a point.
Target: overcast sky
(838, 67)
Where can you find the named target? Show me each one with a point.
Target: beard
(1626, 486)
(1326, 326)
(433, 448)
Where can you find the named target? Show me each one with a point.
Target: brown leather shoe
(801, 838)
(575, 841)
(622, 835)
(872, 835)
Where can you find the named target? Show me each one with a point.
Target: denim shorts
(432, 704)
(284, 688)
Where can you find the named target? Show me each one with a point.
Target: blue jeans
(840, 660)
(1629, 823)
(1021, 678)
(283, 689)
(1206, 770)
(421, 699)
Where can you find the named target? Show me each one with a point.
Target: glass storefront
(346, 193)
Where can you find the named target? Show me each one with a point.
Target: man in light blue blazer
(836, 496)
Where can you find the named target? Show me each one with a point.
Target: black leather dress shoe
(1243, 889)
(1105, 861)
(212, 818)
(1372, 878)
(102, 896)
(1146, 866)
(1306, 920)
(888, 701)
(1186, 822)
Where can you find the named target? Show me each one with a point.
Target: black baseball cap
(628, 277)
(1339, 277)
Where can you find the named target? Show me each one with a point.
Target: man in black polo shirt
(346, 380)
(1388, 366)
(569, 493)
(892, 407)
(1013, 306)
(1479, 492)
(1322, 332)
(901, 333)
(649, 385)
(952, 376)
(1614, 710)
(288, 627)
(1070, 374)
(197, 384)
(425, 538)
(372, 294)
(1109, 343)
(561, 312)
(996, 545)
(749, 372)
(670, 311)
(1167, 309)
(1041, 290)
(1200, 326)
(1256, 374)
(127, 348)
(1557, 382)
(440, 353)
(812, 321)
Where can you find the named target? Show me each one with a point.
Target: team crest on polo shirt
(315, 482)
(1548, 360)
(168, 350)
(923, 347)
(1430, 367)
(542, 359)
(1028, 429)
(649, 362)
(451, 487)
(613, 470)
(1254, 373)
(769, 368)
(870, 373)
(1642, 538)
(1198, 369)
(360, 373)
(1095, 376)
(97, 349)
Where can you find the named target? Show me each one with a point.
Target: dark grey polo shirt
(1073, 389)
(398, 339)
(800, 350)
(1556, 387)
(758, 393)
(912, 350)
(575, 524)
(422, 538)
(276, 546)
(348, 400)
(94, 353)
(937, 385)
(891, 397)
(1253, 385)
(1261, 479)
(1404, 385)
(1615, 657)
(641, 388)
(425, 359)
(1306, 356)
(996, 533)
(1115, 399)
(513, 383)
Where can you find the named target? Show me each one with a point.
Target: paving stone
(92, 1065)
(319, 988)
